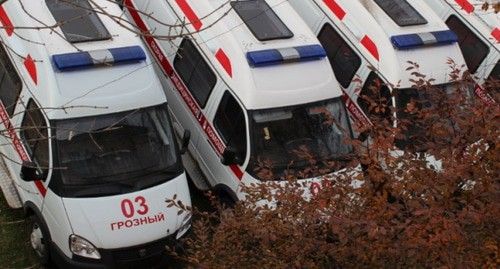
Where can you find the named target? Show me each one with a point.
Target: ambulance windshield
(287, 141)
(425, 114)
(115, 153)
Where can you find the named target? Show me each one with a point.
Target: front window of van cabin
(230, 123)
(493, 81)
(375, 99)
(286, 141)
(420, 111)
(115, 153)
(35, 136)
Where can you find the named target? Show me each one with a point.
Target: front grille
(141, 252)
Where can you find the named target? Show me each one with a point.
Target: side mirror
(30, 172)
(231, 156)
(185, 141)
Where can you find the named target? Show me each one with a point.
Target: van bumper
(150, 255)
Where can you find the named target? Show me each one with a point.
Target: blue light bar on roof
(421, 39)
(278, 56)
(77, 60)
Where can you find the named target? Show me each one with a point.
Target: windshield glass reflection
(127, 148)
(286, 141)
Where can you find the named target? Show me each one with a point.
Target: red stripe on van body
(237, 171)
(335, 8)
(190, 15)
(496, 34)
(212, 135)
(465, 5)
(356, 112)
(370, 46)
(483, 95)
(150, 41)
(224, 61)
(135, 15)
(18, 145)
(29, 64)
(7, 24)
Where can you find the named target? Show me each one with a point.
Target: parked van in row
(373, 43)
(88, 148)
(478, 32)
(254, 86)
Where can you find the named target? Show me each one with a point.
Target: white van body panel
(54, 213)
(223, 40)
(129, 219)
(484, 25)
(148, 217)
(367, 30)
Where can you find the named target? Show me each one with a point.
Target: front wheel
(40, 240)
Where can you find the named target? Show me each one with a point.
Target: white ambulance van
(478, 32)
(88, 148)
(253, 85)
(371, 44)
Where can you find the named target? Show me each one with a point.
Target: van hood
(309, 187)
(129, 219)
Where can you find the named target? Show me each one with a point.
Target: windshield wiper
(103, 180)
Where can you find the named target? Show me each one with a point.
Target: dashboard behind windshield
(115, 153)
(419, 110)
(288, 140)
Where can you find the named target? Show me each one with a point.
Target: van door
(223, 150)
(193, 83)
(34, 134)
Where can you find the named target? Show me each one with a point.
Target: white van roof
(226, 41)
(376, 34)
(83, 91)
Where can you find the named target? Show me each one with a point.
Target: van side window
(10, 83)
(375, 91)
(345, 62)
(35, 137)
(194, 72)
(493, 81)
(230, 123)
(495, 73)
(473, 49)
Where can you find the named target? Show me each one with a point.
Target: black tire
(226, 201)
(40, 240)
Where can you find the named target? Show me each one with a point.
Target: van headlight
(83, 247)
(185, 225)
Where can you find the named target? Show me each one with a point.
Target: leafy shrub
(407, 213)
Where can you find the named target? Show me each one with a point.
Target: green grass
(15, 247)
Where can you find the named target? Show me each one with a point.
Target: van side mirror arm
(30, 172)
(185, 141)
(231, 156)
